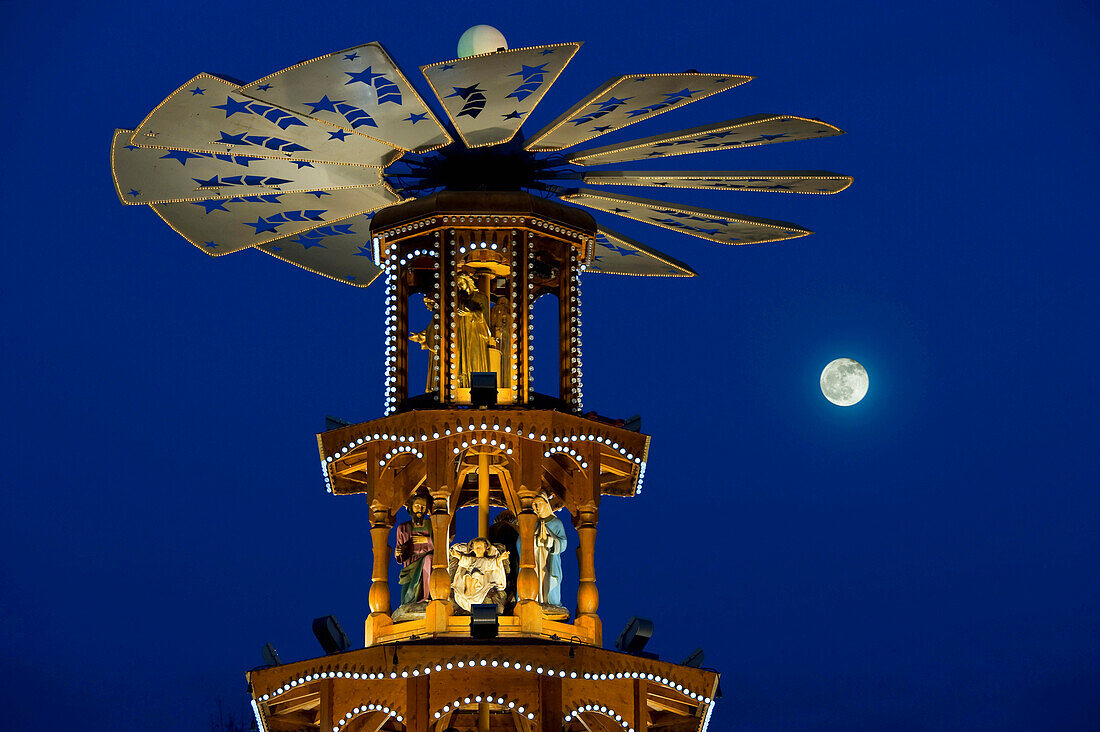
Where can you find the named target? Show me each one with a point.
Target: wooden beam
(550, 711)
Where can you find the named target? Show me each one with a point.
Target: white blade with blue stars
(221, 226)
(621, 255)
(359, 89)
(154, 175)
(716, 226)
(761, 129)
(489, 96)
(341, 251)
(624, 100)
(772, 181)
(207, 114)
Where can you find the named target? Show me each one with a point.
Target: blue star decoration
(263, 225)
(351, 56)
(623, 251)
(514, 114)
(181, 155)
(307, 243)
(134, 192)
(364, 251)
(338, 135)
(231, 107)
(263, 87)
(605, 128)
(366, 76)
(683, 94)
(445, 67)
(211, 205)
(196, 90)
(318, 193)
(465, 91)
(132, 147)
(546, 51)
(302, 164)
(276, 249)
(528, 71)
(612, 102)
(209, 245)
(324, 104)
(414, 117)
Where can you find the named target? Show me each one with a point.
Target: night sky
(925, 560)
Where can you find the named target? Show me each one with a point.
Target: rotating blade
(359, 89)
(761, 129)
(489, 96)
(618, 254)
(231, 224)
(342, 252)
(774, 181)
(717, 226)
(195, 118)
(154, 175)
(624, 100)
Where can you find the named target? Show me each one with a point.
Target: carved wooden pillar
(440, 583)
(381, 521)
(439, 478)
(588, 597)
(527, 582)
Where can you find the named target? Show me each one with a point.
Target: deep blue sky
(926, 560)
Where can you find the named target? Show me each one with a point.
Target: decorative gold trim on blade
(679, 142)
(683, 269)
(713, 180)
(641, 209)
(543, 139)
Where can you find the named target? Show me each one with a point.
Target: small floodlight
(330, 635)
(634, 636)
(334, 423)
(271, 656)
(694, 659)
(483, 389)
(483, 621)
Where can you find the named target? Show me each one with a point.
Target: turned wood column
(527, 581)
(439, 585)
(381, 521)
(588, 597)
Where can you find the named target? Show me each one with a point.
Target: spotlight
(483, 621)
(271, 656)
(330, 635)
(483, 389)
(634, 637)
(694, 659)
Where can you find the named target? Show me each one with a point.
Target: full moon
(844, 382)
(480, 39)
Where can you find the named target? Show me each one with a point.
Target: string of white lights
(600, 709)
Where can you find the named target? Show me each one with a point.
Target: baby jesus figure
(478, 573)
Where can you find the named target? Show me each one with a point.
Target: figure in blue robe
(550, 542)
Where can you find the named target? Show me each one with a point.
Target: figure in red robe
(413, 551)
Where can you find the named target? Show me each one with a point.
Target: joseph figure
(414, 551)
